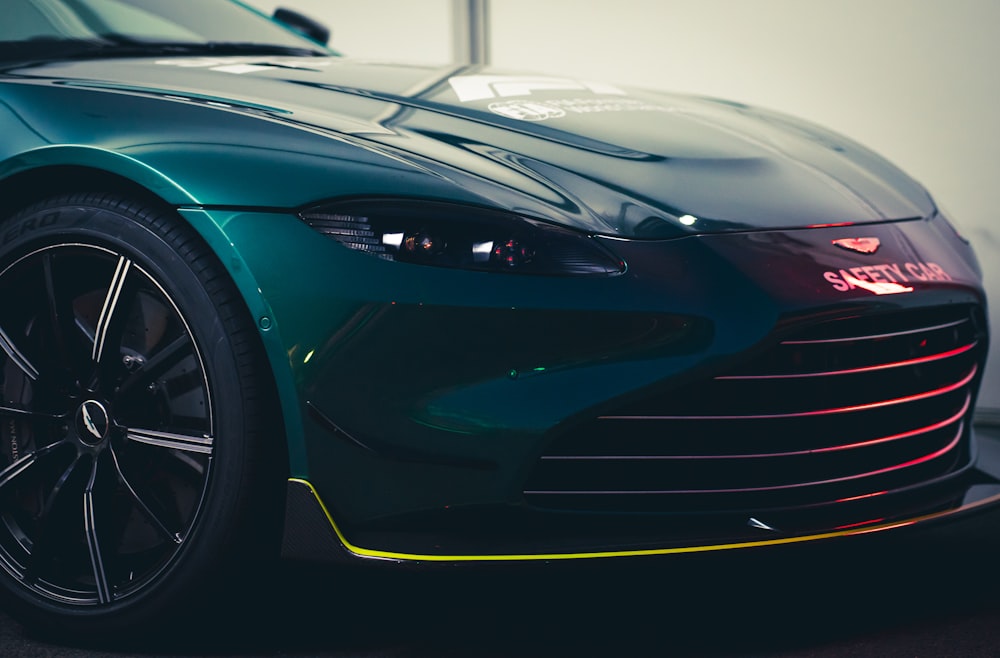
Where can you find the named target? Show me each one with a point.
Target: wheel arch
(47, 172)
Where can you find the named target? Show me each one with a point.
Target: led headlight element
(444, 235)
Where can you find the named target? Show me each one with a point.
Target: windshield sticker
(483, 87)
(555, 109)
(887, 278)
(526, 111)
(240, 69)
(241, 65)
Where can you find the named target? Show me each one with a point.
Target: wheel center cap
(92, 422)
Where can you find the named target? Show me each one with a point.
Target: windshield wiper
(119, 43)
(44, 50)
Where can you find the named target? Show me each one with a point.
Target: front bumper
(429, 398)
(311, 534)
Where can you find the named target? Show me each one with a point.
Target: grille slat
(894, 334)
(740, 480)
(917, 461)
(855, 371)
(837, 411)
(815, 451)
(819, 412)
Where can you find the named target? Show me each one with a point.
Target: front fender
(97, 159)
(210, 225)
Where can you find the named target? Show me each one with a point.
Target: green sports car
(256, 297)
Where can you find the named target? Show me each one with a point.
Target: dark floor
(929, 593)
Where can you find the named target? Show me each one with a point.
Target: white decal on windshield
(541, 110)
(241, 65)
(240, 69)
(526, 110)
(482, 87)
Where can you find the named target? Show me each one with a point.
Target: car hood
(604, 158)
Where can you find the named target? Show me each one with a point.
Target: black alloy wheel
(129, 437)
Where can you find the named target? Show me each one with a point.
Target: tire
(131, 455)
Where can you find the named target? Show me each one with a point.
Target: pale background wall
(417, 31)
(916, 80)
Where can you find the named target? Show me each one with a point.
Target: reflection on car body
(258, 296)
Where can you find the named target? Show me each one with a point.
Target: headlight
(444, 235)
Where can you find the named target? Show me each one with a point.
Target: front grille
(838, 411)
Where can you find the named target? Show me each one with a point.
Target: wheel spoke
(60, 311)
(184, 442)
(107, 407)
(143, 507)
(93, 542)
(16, 357)
(8, 474)
(17, 412)
(15, 469)
(114, 295)
(43, 543)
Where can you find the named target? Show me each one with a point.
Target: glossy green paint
(445, 384)
(213, 227)
(384, 343)
(50, 156)
(616, 162)
(200, 153)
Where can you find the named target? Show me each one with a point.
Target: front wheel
(131, 456)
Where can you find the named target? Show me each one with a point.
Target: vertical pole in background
(471, 31)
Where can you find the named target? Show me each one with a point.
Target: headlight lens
(445, 235)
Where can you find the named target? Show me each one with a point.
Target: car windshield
(41, 29)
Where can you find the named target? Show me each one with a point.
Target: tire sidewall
(171, 254)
